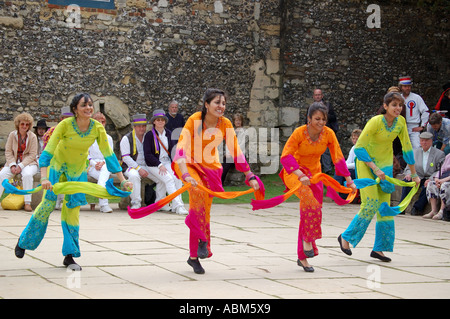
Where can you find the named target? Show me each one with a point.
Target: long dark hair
(209, 95)
(76, 99)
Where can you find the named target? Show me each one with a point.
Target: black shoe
(202, 250)
(414, 212)
(20, 252)
(345, 250)
(380, 257)
(308, 253)
(195, 263)
(307, 269)
(71, 264)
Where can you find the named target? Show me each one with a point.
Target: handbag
(14, 201)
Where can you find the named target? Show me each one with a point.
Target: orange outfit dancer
(197, 162)
(301, 160)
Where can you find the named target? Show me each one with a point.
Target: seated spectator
(439, 187)
(20, 152)
(228, 162)
(440, 128)
(157, 152)
(65, 113)
(97, 168)
(443, 104)
(350, 160)
(134, 166)
(428, 159)
(40, 129)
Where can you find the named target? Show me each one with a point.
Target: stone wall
(330, 45)
(268, 55)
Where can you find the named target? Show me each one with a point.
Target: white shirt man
(417, 112)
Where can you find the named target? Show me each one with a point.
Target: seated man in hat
(134, 166)
(417, 112)
(158, 155)
(428, 160)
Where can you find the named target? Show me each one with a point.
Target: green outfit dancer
(375, 159)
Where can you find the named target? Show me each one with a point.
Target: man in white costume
(417, 112)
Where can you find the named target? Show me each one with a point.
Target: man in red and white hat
(417, 112)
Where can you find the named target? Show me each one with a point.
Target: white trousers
(170, 181)
(27, 179)
(134, 177)
(414, 136)
(102, 177)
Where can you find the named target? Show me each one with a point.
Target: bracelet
(376, 169)
(185, 175)
(44, 179)
(414, 175)
(350, 183)
(123, 183)
(250, 176)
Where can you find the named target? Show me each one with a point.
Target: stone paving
(254, 258)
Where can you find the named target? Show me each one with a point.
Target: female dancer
(65, 156)
(375, 160)
(301, 160)
(197, 162)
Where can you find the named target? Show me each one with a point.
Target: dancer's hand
(416, 180)
(305, 180)
(46, 184)
(191, 180)
(254, 184)
(380, 174)
(126, 185)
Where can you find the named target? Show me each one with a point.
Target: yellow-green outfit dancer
(375, 159)
(65, 156)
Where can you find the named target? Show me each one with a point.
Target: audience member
(134, 166)
(228, 162)
(443, 104)
(440, 128)
(20, 151)
(97, 168)
(350, 160)
(439, 187)
(39, 130)
(175, 121)
(427, 161)
(417, 112)
(327, 164)
(157, 152)
(65, 113)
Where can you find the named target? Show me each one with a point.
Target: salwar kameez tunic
(65, 157)
(199, 148)
(375, 144)
(300, 152)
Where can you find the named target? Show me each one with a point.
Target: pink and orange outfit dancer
(301, 161)
(197, 162)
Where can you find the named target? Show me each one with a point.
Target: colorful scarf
(144, 211)
(333, 187)
(332, 191)
(70, 188)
